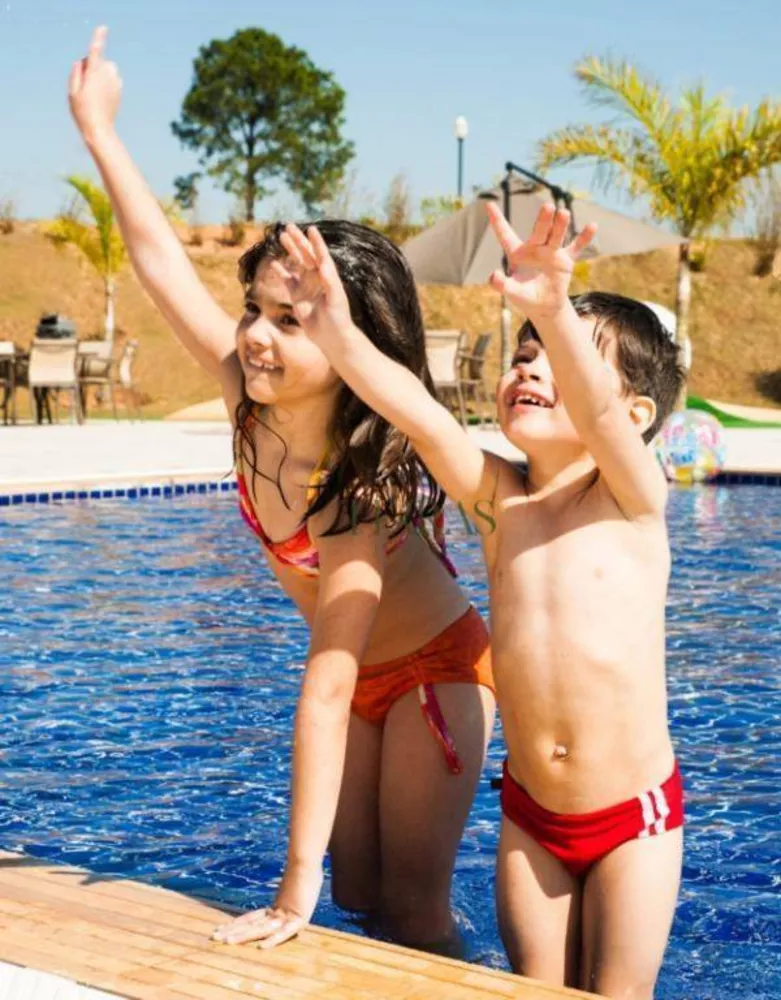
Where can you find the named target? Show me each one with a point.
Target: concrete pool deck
(133, 940)
(105, 454)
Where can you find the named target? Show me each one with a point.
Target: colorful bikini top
(300, 552)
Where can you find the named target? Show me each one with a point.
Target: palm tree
(101, 242)
(690, 161)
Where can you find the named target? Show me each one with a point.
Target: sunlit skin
(578, 565)
(379, 798)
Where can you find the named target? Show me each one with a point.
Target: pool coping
(165, 485)
(140, 940)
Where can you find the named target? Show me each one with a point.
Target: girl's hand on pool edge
(269, 927)
(273, 925)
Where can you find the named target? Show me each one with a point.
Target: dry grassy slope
(736, 317)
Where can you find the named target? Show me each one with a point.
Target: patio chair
(110, 375)
(53, 369)
(472, 364)
(443, 348)
(125, 378)
(94, 364)
(8, 379)
(94, 356)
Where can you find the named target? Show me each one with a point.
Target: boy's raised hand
(94, 88)
(540, 268)
(316, 291)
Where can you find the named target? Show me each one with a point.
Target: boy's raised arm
(539, 284)
(158, 257)
(320, 303)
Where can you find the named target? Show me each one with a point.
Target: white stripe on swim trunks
(649, 816)
(660, 800)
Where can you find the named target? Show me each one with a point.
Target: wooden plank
(59, 924)
(125, 889)
(121, 920)
(151, 916)
(362, 953)
(148, 943)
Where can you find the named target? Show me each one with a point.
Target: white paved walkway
(17, 983)
(108, 454)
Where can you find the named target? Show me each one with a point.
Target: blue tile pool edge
(230, 486)
(117, 493)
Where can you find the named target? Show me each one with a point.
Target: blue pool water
(148, 674)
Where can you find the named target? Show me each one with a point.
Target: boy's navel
(560, 752)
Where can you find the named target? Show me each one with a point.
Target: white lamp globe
(461, 127)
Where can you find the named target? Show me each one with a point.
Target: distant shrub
(767, 225)
(235, 233)
(398, 203)
(7, 216)
(439, 207)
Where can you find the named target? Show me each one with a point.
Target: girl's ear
(643, 412)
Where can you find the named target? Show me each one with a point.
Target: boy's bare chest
(578, 552)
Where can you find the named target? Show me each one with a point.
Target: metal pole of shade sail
(506, 315)
(560, 197)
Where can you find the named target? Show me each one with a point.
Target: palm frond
(752, 142)
(101, 243)
(623, 157)
(618, 85)
(67, 231)
(692, 162)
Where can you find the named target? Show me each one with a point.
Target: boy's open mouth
(524, 396)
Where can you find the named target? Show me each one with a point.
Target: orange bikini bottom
(459, 655)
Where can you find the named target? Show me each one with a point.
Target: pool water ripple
(149, 667)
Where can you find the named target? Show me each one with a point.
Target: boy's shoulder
(587, 499)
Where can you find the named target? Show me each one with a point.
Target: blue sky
(409, 68)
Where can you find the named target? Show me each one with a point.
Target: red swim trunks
(579, 840)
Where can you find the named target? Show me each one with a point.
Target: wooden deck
(147, 943)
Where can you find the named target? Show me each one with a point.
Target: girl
(347, 517)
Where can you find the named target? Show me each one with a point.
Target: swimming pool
(148, 672)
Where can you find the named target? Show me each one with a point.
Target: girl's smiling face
(280, 363)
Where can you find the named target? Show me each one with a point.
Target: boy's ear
(643, 412)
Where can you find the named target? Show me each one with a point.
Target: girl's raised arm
(467, 474)
(158, 256)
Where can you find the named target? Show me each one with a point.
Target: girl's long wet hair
(373, 471)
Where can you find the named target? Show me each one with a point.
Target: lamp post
(461, 130)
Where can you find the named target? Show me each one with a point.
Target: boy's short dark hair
(646, 356)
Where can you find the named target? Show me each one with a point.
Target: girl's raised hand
(316, 291)
(541, 267)
(94, 89)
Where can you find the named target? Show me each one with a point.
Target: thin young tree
(691, 161)
(99, 239)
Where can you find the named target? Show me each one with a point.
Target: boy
(590, 849)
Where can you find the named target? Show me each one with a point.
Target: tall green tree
(259, 110)
(689, 160)
(99, 239)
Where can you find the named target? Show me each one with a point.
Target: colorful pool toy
(691, 447)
